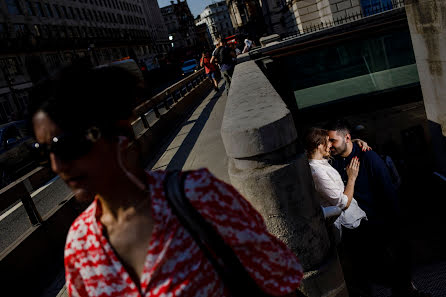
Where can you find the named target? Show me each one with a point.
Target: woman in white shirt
(328, 181)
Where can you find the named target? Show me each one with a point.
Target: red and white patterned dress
(175, 266)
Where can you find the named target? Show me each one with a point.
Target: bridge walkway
(197, 142)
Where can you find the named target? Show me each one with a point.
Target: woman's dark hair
(313, 138)
(82, 97)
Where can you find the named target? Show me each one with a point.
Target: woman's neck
(124, 196)
(316, 155)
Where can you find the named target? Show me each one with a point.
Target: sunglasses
(67, 146)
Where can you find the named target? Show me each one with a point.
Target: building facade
(218, 21)
(247, 18)
(38, 37)
(180, 25)
(296, 16)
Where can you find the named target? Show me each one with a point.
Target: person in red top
(129, 242)
(210, 68)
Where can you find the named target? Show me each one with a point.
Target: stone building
(247, 17)
(203, 36)
(295, 16)
(38, 37)
(180, 24)
(218, 21)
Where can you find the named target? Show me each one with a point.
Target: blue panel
(370, 7)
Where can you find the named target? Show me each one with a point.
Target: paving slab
(197, 142)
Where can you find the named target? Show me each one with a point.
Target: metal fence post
(31, 210)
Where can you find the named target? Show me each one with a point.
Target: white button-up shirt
(328, 183)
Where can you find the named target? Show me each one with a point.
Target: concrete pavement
(197, 142)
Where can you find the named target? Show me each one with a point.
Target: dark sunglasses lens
(70, 148)
(40, 153)
(65, 148)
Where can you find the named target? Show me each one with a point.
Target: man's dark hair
(339, 125)
(81, 97)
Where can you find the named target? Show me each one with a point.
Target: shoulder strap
(235, 277)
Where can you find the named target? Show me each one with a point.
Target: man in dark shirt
(376, 248)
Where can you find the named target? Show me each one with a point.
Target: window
(57, 11)
(49, 11)
(3, 114)
(73, 14)
(62, 32)
(69, 32)
(29, 8)
(45, 31)
(53, 60)
(19, 30)
(14, 7)
(66, 13)
(2, 30)
(79, 15)
(85, 14)
(82, 32)
(40, 12)
(11, 67)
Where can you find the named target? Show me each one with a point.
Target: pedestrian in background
(210, 68)
(224, 56)
(248, 44)
(131, 240)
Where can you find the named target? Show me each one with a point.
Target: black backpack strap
(234, 275)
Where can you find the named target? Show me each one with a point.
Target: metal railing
(360, 14)
(151, 110)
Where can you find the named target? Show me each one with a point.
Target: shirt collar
(314, 161)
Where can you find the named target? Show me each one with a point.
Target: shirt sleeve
(269, 261)
(328, 189)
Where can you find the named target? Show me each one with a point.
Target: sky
(196, 6)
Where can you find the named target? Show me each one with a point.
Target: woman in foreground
(128, 242)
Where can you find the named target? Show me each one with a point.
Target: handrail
(172, 91)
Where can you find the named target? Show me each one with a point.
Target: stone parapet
(269, 168)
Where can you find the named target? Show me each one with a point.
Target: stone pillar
(427, 23)
(269, 168)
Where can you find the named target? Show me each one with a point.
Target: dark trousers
(377, 254)
(227, 76)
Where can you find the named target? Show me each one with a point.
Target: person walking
(248, 45)
(132, 240)
(210, 68)
(377, 250)
(225, 57)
